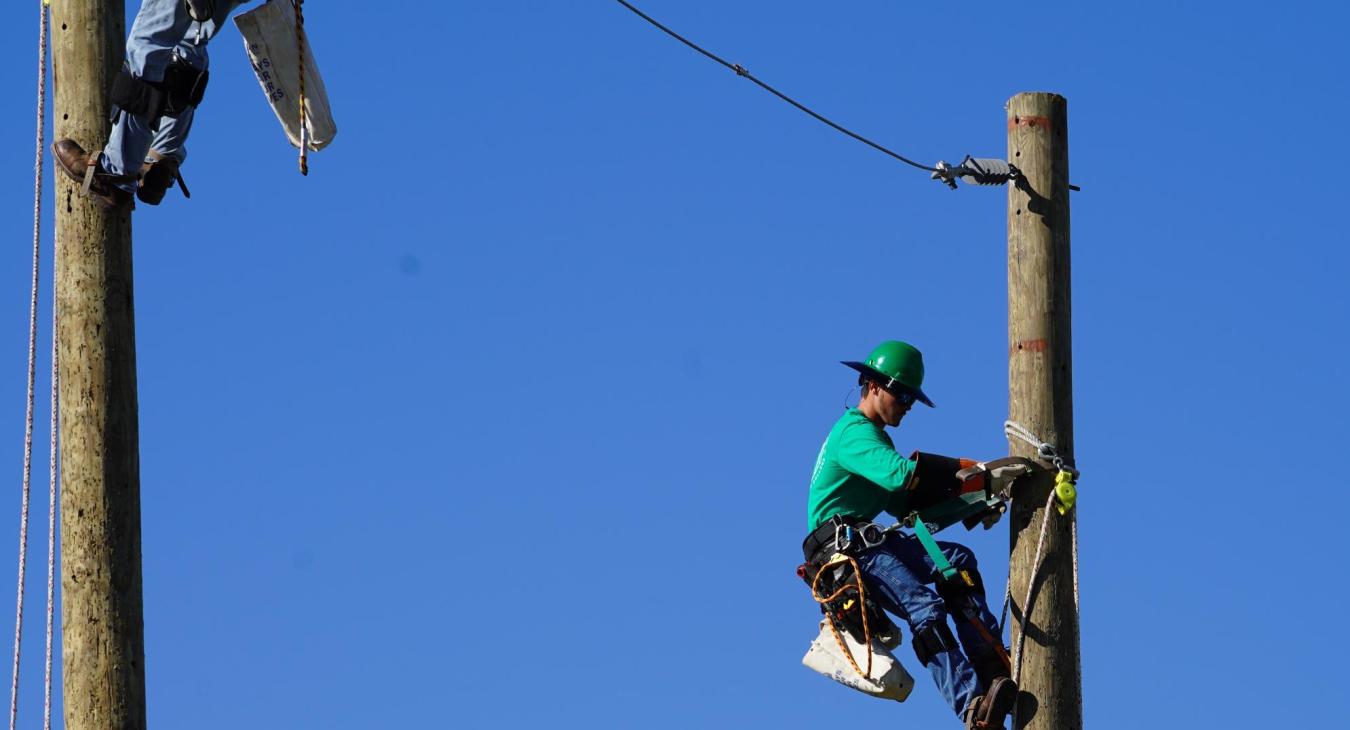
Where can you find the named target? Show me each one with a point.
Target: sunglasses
(905, 399)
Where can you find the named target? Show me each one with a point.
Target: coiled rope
(862, 608)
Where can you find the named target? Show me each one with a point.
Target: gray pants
(162, 30)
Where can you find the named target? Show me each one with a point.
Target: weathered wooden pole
(1040, 397)
(102, 631)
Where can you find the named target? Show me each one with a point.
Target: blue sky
(504, 415)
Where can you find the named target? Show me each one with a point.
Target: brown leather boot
(988, 711)
(83, 168)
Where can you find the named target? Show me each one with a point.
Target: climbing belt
(31, 401)
(300, 51)
(1065, 492)
(862, 609)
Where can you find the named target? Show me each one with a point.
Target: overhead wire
(743, 72)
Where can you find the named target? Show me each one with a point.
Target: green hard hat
(896, 366)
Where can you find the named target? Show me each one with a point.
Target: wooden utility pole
(102, 631)
(1040, 397)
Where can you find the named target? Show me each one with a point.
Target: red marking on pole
(1031, 346)
(1021, 121)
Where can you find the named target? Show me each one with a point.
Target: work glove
(996, 476)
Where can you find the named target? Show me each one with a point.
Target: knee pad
(183, 87)
(957, 591)
(134, 96)
(933, 640)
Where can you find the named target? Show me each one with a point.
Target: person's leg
(126, 149)
(167, 153)
(171, 139)
(975, 624)
(902, 591)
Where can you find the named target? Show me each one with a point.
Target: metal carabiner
(872, 534)
(845, 541)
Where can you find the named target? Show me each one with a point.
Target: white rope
(32, 365)
(52, 486)
(1031, 585)
(1012, 430)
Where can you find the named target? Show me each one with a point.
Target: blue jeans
(162, 29)
(899, 577)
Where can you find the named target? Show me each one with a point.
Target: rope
(51, 497)
(741, 71)
(32, 364)
(1031, 585)
(862, 609)
(300, 51)
(1048, 451)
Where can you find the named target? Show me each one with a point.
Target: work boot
(156, 178)
(75, 162)
(988, 711)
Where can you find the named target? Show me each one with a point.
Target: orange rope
(862, 609)
(300, 51)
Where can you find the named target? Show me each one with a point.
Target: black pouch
(183, 86)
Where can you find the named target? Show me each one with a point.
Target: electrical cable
(742, 71)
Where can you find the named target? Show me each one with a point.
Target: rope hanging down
(300, 51)
(31, 401)
(741, 71)
(1048, 452)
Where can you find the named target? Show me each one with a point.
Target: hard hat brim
(887, 382)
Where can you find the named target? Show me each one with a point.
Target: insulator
(985, 171)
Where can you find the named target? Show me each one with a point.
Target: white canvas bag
(269, 39)
(889, 679)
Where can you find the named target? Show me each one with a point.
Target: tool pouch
(270, 40)
(889, 679)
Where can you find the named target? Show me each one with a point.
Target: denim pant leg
(126, 148)
(972, 639)
(171, 139)
(904, 592)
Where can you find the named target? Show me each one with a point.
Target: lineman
(155, 97)
(857, 475)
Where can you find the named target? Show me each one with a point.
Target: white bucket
(269, 39)
(889, 679)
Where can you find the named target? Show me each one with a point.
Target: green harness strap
(930, 545)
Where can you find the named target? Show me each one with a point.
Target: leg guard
(934, 640)
(183, 86)
(138, 97)
(157, 177)
(956, 593)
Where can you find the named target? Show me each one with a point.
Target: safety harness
(945, 491)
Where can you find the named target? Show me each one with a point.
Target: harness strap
(930, 545)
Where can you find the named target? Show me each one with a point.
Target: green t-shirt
(858, 473)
